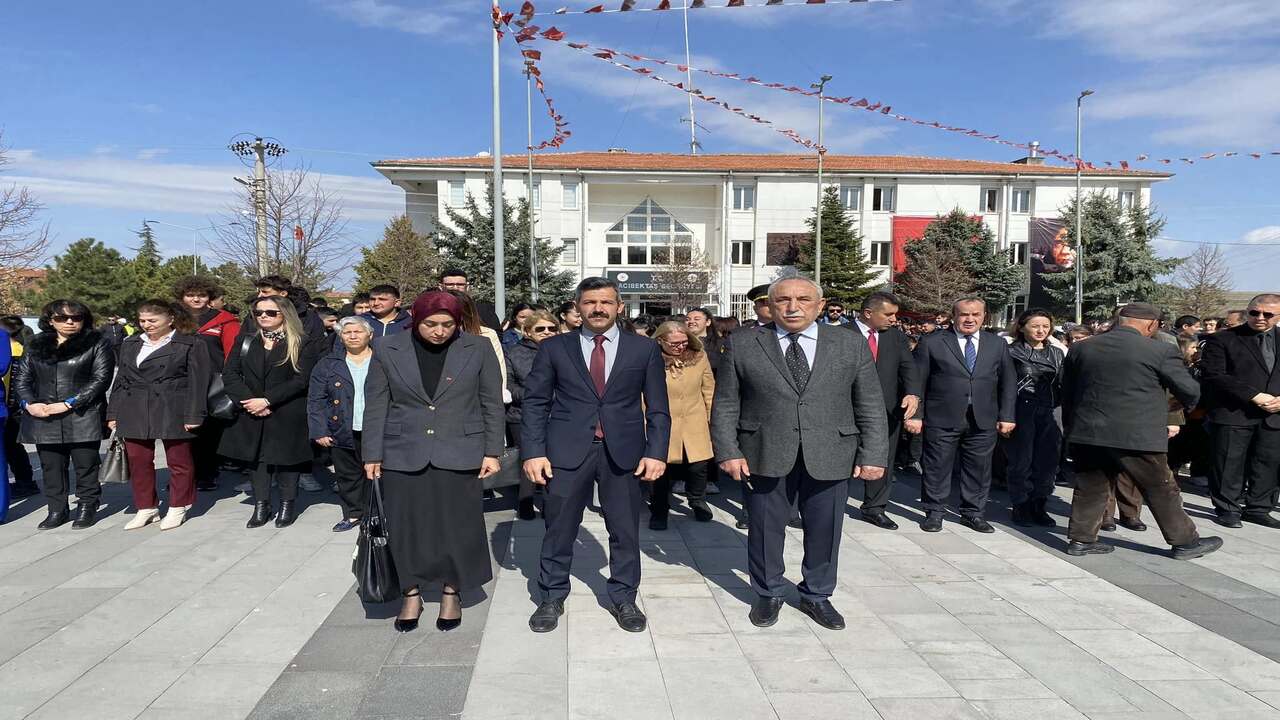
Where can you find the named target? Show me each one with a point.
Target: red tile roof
(758, 163)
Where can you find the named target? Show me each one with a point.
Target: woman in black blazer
(160, 393)
(269, 381)
(432, 430)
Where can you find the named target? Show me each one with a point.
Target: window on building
(882, 198)
(740, 252)
(851, 197)
(1128, 198)
(1020, 201)
(744, 197)
(1018, 253)
(569, 251)
(881, 253)
(569, 200)
(648, 235)
(536, 200)
(990, 200)
(457, 193)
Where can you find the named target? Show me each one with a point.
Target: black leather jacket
(81, 368)
(1039, 373)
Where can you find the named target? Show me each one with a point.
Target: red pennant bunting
(596, 9)
(627, 5)
(553, 34)
(664, 5)
(532, 54)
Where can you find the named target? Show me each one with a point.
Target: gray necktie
(797, 363)
(1267, 341)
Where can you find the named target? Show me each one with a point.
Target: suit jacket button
(430, 431)
(431, 407)
(337, 402)
(337, 384)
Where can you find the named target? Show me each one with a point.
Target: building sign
(650, 282)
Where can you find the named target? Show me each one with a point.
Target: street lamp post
(817, 225)
(1079, 215)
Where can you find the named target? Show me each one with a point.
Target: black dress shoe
(932, 522)
(657, 523)
(741, 523)
(1108, 525)
(977, 523)
(261, 514)
(287, 514)
(701, 512)
(1084, 548)
(795, 522)
(822, 613)
(86, 515)
(346, 524)
(1022, 515)
(56, 518)
(629, 617)
(1263, 519)
(1228, 519)
(1199, 548)
(526, 510)
(1040, 516)
(1133, 524)
(879, 519)
(405, 625)
(547, 616)
(764, 611)
(447, 624)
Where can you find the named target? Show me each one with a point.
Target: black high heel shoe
(405, 625)
(447, 624)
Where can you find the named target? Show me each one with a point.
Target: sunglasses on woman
(544, 328)
(67, 318)
(266, 313)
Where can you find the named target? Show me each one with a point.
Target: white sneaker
(143, 518)
(174, 517)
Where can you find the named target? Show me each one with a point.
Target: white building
(620, 214)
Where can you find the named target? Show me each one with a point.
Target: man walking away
(1115, 409)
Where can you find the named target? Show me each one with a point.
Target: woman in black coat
(160, 393)
(61, 386)
(537, 327)
(269, 381)
(1036, 444)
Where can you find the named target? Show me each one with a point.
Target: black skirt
(436, 521)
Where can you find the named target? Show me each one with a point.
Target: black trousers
(875, 493)
(353, 486)
(286, 477)
(513, 440)
(1100, 469)
(1246, 461)
(694, 476)
(1033, 451)
(821, 503)
(16, 455)
(55, 460)
(204, 450)
(965, 452)
(567, 495)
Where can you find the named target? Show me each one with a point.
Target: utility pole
(260, 150)
(533, 239)
(817, 225)
(1079, 215)
(688, 83)
(499, 261)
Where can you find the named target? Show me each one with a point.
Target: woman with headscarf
(433, 429)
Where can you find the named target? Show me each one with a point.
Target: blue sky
(117, 112)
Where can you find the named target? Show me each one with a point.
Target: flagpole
(499, 262)
(688, 82)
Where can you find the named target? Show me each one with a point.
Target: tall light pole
(533, 239)
(817, 225)
(260, 150)
(1079, 216)
(499, 261)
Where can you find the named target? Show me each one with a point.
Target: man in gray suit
(798, 409)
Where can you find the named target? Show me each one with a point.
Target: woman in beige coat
(690, 387)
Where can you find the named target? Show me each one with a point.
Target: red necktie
(874, 343)
(597, 375)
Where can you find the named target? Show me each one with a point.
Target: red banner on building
(905, 229)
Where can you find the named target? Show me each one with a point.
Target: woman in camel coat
(690, 387)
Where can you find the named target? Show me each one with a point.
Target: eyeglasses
(266, 313)
(67, 318)
(544, 328)
(1252, 313)
(675, 343)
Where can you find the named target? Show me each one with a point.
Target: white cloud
(443, 19)
(1269, 234)
(109, 181)
(152, 153)
(1161, 29)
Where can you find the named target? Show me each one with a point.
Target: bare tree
(1202, 281)
(685, 276)
(23, 240)
(295, 201)
(935, 276)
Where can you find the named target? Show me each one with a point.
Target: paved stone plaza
(216, 621)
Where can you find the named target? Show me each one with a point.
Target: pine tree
(847, 274)
(994, 278)
(145, 268)
(403, 258)
(469, 247)
(1120, 264)
(94, 274)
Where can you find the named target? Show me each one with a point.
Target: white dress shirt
(867, 332)
(588, 343)
(149, 347)
(808, 341)
(977, 340)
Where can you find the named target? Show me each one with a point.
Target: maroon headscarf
(436, 301)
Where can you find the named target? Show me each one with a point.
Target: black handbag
(115, 466)
(220, 405)
(375, 571)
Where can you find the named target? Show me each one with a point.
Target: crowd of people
(799, 408)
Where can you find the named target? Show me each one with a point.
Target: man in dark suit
(797, 412)
(1239, 371)
(1115, 408)
(968, 387)
(877, 322)
(595, 412)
